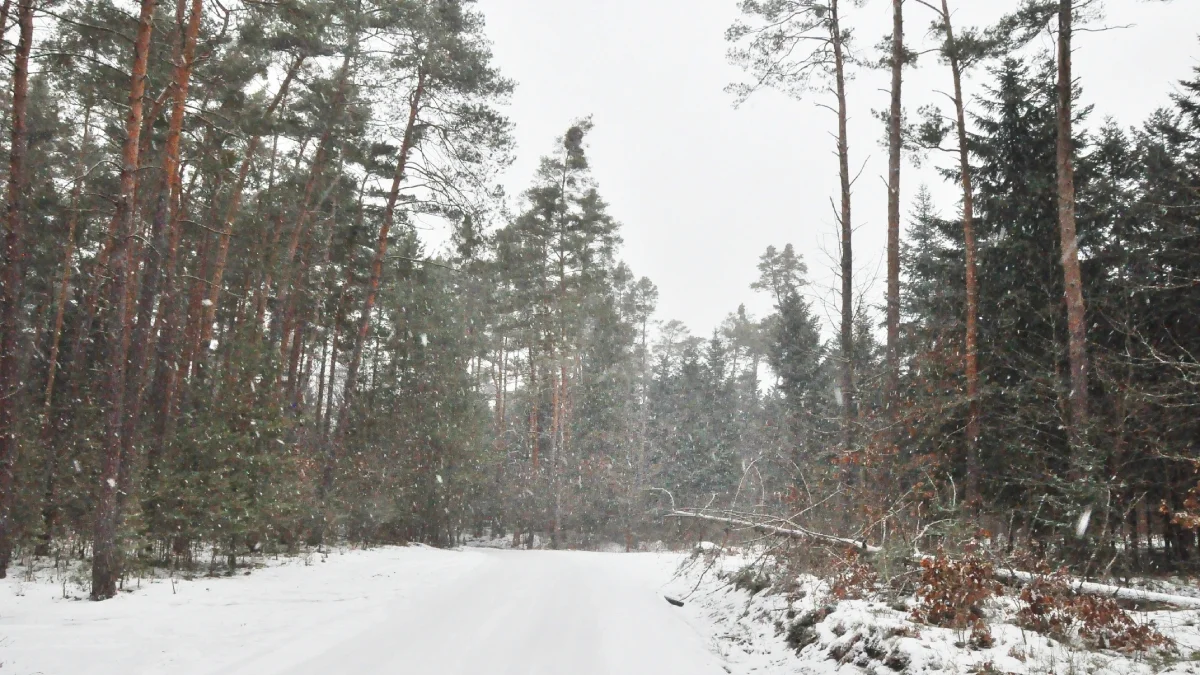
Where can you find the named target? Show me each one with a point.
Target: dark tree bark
(893, 240)
(13, 277)
(193, 360)
(847, 231)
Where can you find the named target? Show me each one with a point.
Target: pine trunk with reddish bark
(161, 228)
(13, 277)
(284, 299)
(106, 563)
(972, 277)
(232, 210)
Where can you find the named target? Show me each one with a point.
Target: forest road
(531, 613)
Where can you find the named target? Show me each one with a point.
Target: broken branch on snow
(1076, 584)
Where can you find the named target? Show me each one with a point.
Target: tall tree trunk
(555, 420)
(296, 330)
(972, 337)
(171, 321)
(364, 327)
(847, 231)
(338, 311)
(105, 555)
(560, 447)
(498, 377)
(167, 327)
(893, 239)
(644, 413)
(321, 376)
(533, 411)
(318, 315)
(92, 295)
(1072, 276)
(14, 278)
(160, 234)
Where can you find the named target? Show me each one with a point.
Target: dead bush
(1052, 608)
(952, 594)
(855, 578)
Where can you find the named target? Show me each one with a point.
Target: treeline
(215, 303)
(1036, 380)
(1132, 502)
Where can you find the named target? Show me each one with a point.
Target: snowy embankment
(758, 629)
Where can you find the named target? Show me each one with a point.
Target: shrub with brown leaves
(952, 594)
(855, 578)
(1052, 608)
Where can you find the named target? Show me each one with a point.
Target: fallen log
(1076, 584)
(1116, 592)
(793, 532)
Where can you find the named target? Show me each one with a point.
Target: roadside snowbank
(752, 632)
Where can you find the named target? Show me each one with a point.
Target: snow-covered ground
(411, 610)
(417, 610)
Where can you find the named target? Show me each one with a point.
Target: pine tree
(785, 44)
(13, 276)
(795, 351)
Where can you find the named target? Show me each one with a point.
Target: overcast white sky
(701, 188)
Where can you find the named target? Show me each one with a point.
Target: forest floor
(418, 610)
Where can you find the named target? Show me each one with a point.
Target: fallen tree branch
(1118, 592)
(793, 532)
(1076, 584)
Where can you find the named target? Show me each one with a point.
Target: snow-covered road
(401, 610)
(534, 613)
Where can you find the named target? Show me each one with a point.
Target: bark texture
(1072, 276)
(13, 277)
(106, 563)
(893, 240)
(972, 278)
(847, 263)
